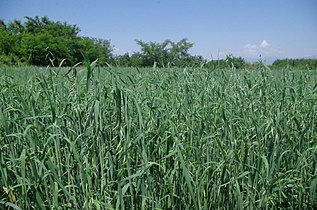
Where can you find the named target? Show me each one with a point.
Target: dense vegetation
(184, 134)
(165, 54)
(295, 63)
(158, 138)
(42, 42)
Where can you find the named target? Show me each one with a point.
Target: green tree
(6, 41)
(136, 60)
(123, 60)
(167, 53)
(235, 62)
(16, 28)
(91, 49)
(295, 63)
(229, 62)
(40, 41)
(45, 42)
(154, 53)
(7, 45)
(178, 54)
(44, 49)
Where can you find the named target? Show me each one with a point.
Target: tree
(42, 42)
(16, 28)
(229, 62)
(154, 53)
(235, 62)
(91, 49)
(167, 53)
(123, 60)
(136, 60)
(295, 63)
(7, 46)
(179, 52)
(44, 49)
(6, 40)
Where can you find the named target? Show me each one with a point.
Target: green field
(158, 138)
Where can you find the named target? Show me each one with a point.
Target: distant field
(127, 138)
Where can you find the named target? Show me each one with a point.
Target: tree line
(43, 42)
(295, 63)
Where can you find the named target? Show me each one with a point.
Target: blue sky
(247, 28)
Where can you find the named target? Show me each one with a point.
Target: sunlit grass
(102, 138)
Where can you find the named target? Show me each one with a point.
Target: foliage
(165, 54)
(154, 53)
(295, 63)
(42, 42)
(123, 60)
(179, 53)
(92, 49)
(169, 138)
(168, 54)
(230, 62)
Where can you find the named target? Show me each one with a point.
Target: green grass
(127, 138)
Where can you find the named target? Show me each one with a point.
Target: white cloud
(251, 49)
(251, 46)
(255, 50)
(265, 44)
